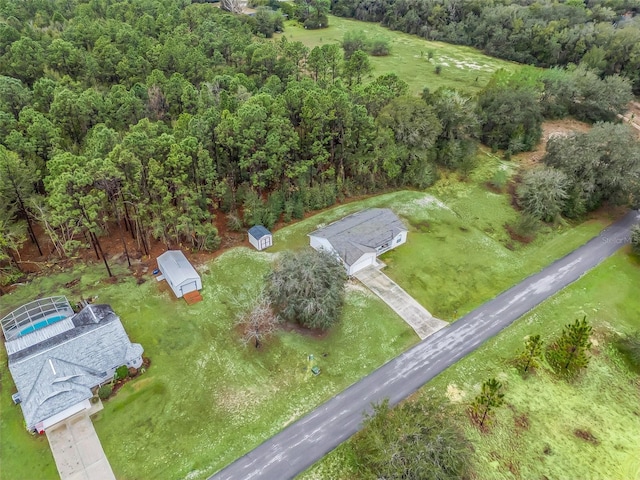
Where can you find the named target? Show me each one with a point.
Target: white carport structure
(179, 273)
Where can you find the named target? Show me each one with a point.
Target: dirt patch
(307, 332)
(521, 422)
(514, 468)
(455, 394)
(551, 129)
(586, 435)
(72, 283)
(493, 187)
(512, 190)
(424, 227)
(515, 236)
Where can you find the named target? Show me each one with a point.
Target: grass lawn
(458, 254)
(534, 434)
(464, 68)
(206, 399)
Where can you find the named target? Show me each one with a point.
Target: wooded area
(156, 116)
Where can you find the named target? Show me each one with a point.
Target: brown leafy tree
(258, 323)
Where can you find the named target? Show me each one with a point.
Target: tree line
(156, 117)
(600, 35)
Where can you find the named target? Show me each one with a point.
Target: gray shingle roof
(361, 232)
(258, 231)
(60, 371)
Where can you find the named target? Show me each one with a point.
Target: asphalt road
(304, 442)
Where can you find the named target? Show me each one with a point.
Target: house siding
(321, 244)
(262, 243)
(368, 259)
(397, 240)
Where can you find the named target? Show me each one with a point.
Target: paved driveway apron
(401, 302)
(77, 450)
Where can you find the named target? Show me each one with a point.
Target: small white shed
(179, 273)
(260, 237)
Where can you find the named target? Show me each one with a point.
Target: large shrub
(543, 192)
(122, 372)
(105, 391)
(414, 441)
(307, 287)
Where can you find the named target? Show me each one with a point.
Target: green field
(206, 399)
(458, 254)
(534, 433)
(464, 68)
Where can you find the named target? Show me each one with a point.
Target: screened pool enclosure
(35, 315)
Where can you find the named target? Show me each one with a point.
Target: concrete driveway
(418, 318)
(77, 449)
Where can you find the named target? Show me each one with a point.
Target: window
(383, 247)
(399, 240)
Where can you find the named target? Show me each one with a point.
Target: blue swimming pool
(41, 324)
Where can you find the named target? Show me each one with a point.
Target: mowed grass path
(464, 68)
(533, 435)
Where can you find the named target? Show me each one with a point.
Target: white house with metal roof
(179, 273)
(360, 237)
(260, 237)
(56, 357)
